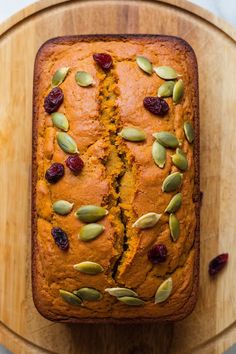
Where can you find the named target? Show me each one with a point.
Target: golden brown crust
(48, 274)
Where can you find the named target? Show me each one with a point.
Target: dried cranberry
(54, 172)
(156, 105)
(60, 238)
(53, 100)
(103, 60)
(157, 254)
(75, 163)
(218, 263)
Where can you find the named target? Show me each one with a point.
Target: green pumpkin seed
(178, 91)
(166, 89)
(144, 64)
(90, 232)
(131, 301)
(180, 161)
(166, 139)
(59, 76)
(174, 227)
(159, 154)
(132, 134)
(120, 292)
(180, 151)
(84, 79)
(62, 207)
(70, 298)
(146, 221)
(88, 267)
(88, 294)
(67, 143)
(164, 291)
(91, 213)
(166, 72)
(174, 204)
(60, 121)
(172, 182)
(189, 132)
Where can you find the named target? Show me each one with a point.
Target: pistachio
(164, 291)
(172, 182)
(88, 267)
(67, 143)
(132, 134)
(70, 298)
(166, 89)
(166, 72)
(174, 227)
(174, 204)
(90, 232)
(144, 64)
(60, 121)
(62, 207)
(131, 301)
(180, 161)
(189, 132)
(59, 76)
(120, 292)
(90, 213)
(84, 79)
(159, 154)
(166, 139)
(88, 294)
(146, 221)
(178, 91)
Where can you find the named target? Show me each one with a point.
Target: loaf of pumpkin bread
(115, 202)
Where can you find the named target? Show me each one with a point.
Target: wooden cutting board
(211, 328)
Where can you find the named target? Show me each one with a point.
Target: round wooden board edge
(18, 344)
(184, 5)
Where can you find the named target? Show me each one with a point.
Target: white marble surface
(223, 8)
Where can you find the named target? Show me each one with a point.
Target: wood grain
(211, 328)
